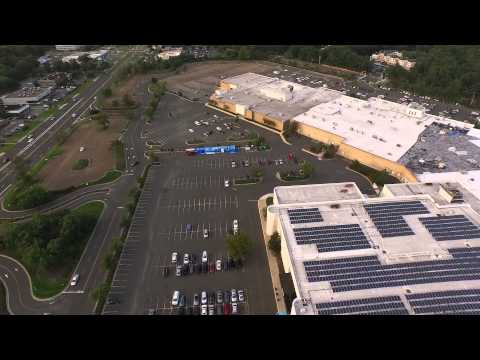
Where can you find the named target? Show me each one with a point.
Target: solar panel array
(358, 273)
(388, 216)
(304, 216)
(454, 227)
(333, 237)
(387, 305)
(460, 302)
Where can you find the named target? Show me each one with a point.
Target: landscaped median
(50, 246)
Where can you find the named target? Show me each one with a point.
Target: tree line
(18, 62)
(448, 72)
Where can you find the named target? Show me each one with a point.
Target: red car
(211, 267)
(226, 309)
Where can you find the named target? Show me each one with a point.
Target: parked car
(174, 257)
(205, 233)
(219, 297)
(211, 298)
(183, 301)
(204, 310)
(227, 183)
(227, 297)
(234, 164)
(234, 295)
(165, 271)
(189, 227)
(178, 271)
(211, 309)
(190, 130)
(241, 296)
(226, 309)
(186, 259)
(197, 123)
(175, 297)
(196, 299)
(204, 297)
(204, 256)
(234, 308)
(235, 226)
(219, 265)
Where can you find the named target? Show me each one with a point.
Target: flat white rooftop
(414, 262)
(317, 193)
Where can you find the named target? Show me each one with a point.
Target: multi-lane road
(78, 300)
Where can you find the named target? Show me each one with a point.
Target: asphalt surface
(183, 191)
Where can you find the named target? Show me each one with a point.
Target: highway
(78, 300)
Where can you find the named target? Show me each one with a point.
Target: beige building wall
(352, 153)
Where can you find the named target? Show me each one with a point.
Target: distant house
(393, 58)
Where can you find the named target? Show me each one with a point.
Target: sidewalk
(272, 261)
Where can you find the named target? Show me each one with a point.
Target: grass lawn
(48, 285)
(108, 177)
(80, 164)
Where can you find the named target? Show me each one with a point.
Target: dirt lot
(58, 174)
(200, 79)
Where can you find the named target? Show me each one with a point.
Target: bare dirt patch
(127, 87)
(58, 174)
(200, 79)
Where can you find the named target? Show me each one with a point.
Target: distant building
(393, 58)
(69, 47)
(26, 95)
(100, 55)
(22, 110)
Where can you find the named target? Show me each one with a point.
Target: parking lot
(185, 195)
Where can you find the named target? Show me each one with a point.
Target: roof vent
(335, 206)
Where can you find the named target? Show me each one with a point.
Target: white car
(227, 183)
(174, 257)
(175, 297)
(241, 296)
(82, 148)
(235, 226)
(29, 140)
(204, 298)
(218, 128)
(74, 280)
(205, 233)
(190, 130)
(234, 308)
(204, 310)
(186, 259)
(74, 115)
(204, 256)
(197, 123)
(219, 265)
(234, 296)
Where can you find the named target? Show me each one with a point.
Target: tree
(307, 168)
(275, 243)
(22, 171)
(244, 53)
(239, 246)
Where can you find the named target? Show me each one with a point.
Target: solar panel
(455, 227)
(387, 216)
(368, 273)
(367, 306)
(304, 216)
(333, 237)
(446, 302)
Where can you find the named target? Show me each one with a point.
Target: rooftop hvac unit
(399, 145)
(374, 136)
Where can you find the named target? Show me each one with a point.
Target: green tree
(127, 100)
(307, 168)
(102, 120)
(274, 243)
(239, 246)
